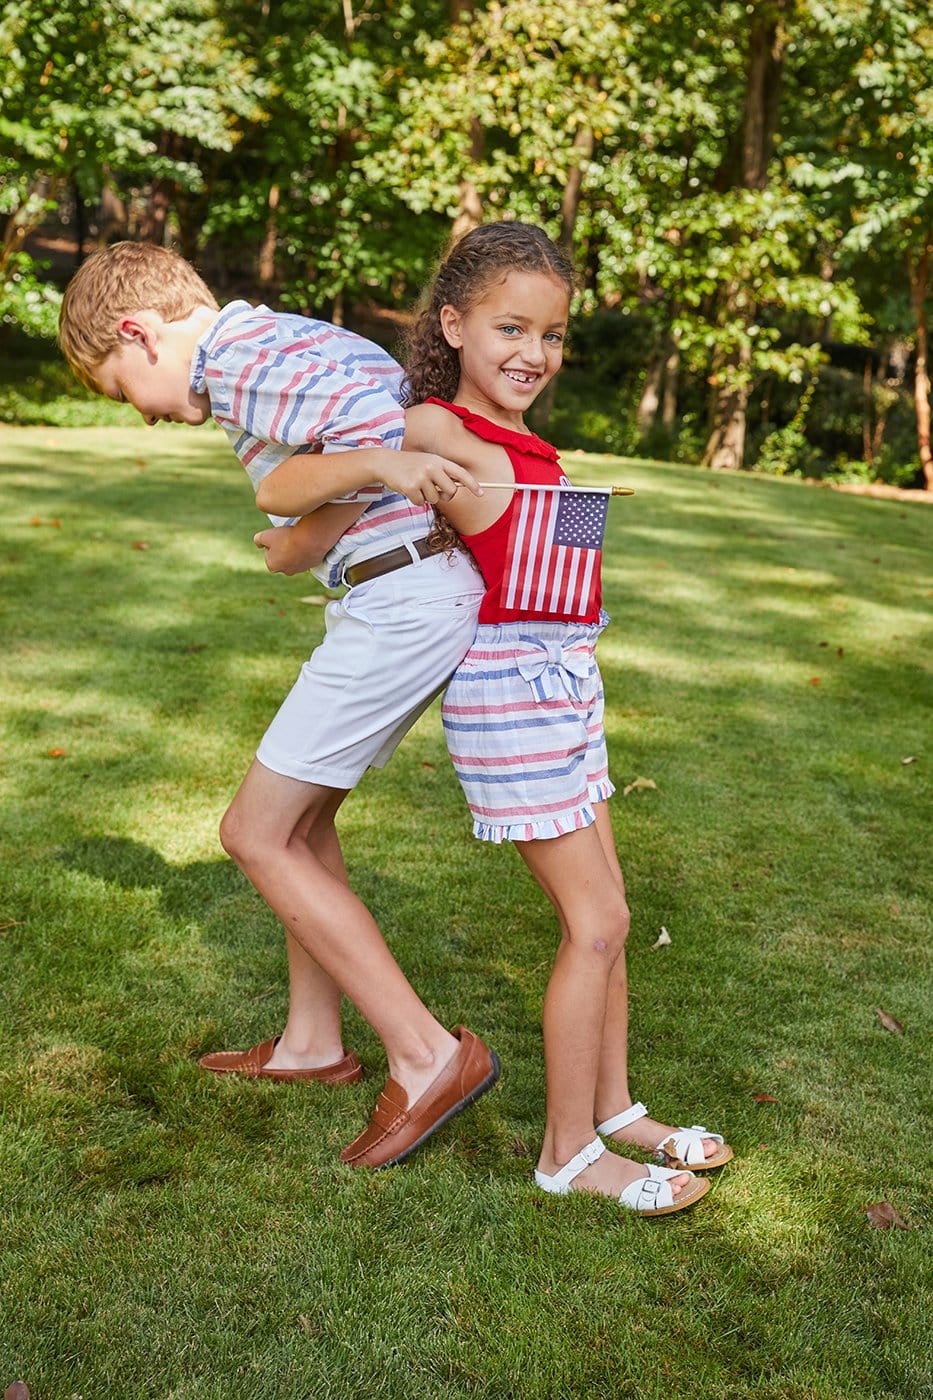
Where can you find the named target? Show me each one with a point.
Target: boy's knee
(231, 834)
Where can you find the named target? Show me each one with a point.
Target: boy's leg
(265, 831)
(311, 1036)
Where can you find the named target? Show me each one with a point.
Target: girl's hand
(293, 549)
(426, 478)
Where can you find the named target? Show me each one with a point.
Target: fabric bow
(550, 662)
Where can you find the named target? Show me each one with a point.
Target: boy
(139, 325)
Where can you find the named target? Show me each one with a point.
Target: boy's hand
(425, 478)
(286, 551)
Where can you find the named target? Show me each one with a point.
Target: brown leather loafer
(252, 1064)
(397, 1128)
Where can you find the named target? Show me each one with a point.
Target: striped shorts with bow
(523, 717)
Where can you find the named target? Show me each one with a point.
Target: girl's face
(510, 343)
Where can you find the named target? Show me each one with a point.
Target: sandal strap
(622, 1120)
(647, 1193)
(686, 1146)
(559, 1183)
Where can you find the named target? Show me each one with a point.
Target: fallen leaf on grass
(766, 1098)
(639, 785)
(911, 759)
(428, 765)
(19, 1390)
(882, 1215)
(139, 544)
(38, 520)
(815, 680)
(663, 939)
(889, 1023)
(57, 753)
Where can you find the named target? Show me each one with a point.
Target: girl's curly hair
(470, 265)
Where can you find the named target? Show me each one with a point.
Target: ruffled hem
(549, 829)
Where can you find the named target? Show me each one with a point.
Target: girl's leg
(265, 830)
(612, 1091)
(577, 876)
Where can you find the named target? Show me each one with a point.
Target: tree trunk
(25, 219)
(725, 448)
(80, 223)
(919, 275)
(580, 151)
(764, 75)
(868, 449)
(470, 205)
(270, 240)
(650, 399)
(157, 208)
(671, 381)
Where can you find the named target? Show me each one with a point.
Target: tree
(880, 169)
(139, 87)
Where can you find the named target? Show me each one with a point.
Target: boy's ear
(138, 329)
(451, 326)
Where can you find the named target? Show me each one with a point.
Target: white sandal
(682, 1148)
(648, 1195)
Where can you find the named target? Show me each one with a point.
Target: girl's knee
(606, 934)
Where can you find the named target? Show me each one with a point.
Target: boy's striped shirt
(281, 384)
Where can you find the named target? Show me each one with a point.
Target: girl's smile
(510, 343)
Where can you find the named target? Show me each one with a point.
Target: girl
(523, 714)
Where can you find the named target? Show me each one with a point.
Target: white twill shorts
(523, 718)
(391, 645)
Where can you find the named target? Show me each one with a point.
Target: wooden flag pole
(529, 486)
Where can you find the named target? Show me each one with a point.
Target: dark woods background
(747, 190)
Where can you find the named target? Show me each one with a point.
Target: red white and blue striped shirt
(281, 384)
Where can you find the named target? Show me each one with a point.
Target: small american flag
(552, 566)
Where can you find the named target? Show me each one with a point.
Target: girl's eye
(509, 330)
(555, 336)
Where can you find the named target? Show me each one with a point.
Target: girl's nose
(533, 351)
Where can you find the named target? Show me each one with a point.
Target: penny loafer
(253, 1064)
(396, 1127)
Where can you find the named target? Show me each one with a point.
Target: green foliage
(314, 154)
(27, 301)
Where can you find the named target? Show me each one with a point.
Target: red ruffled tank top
(534, 462)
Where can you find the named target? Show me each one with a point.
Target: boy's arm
(293, 549)
(308, 480)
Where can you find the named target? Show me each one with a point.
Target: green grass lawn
(167, 1234)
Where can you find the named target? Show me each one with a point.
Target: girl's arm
(293, 549)
(310, 479)
(428, 427)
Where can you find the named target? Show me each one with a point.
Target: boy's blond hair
(118, 281)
